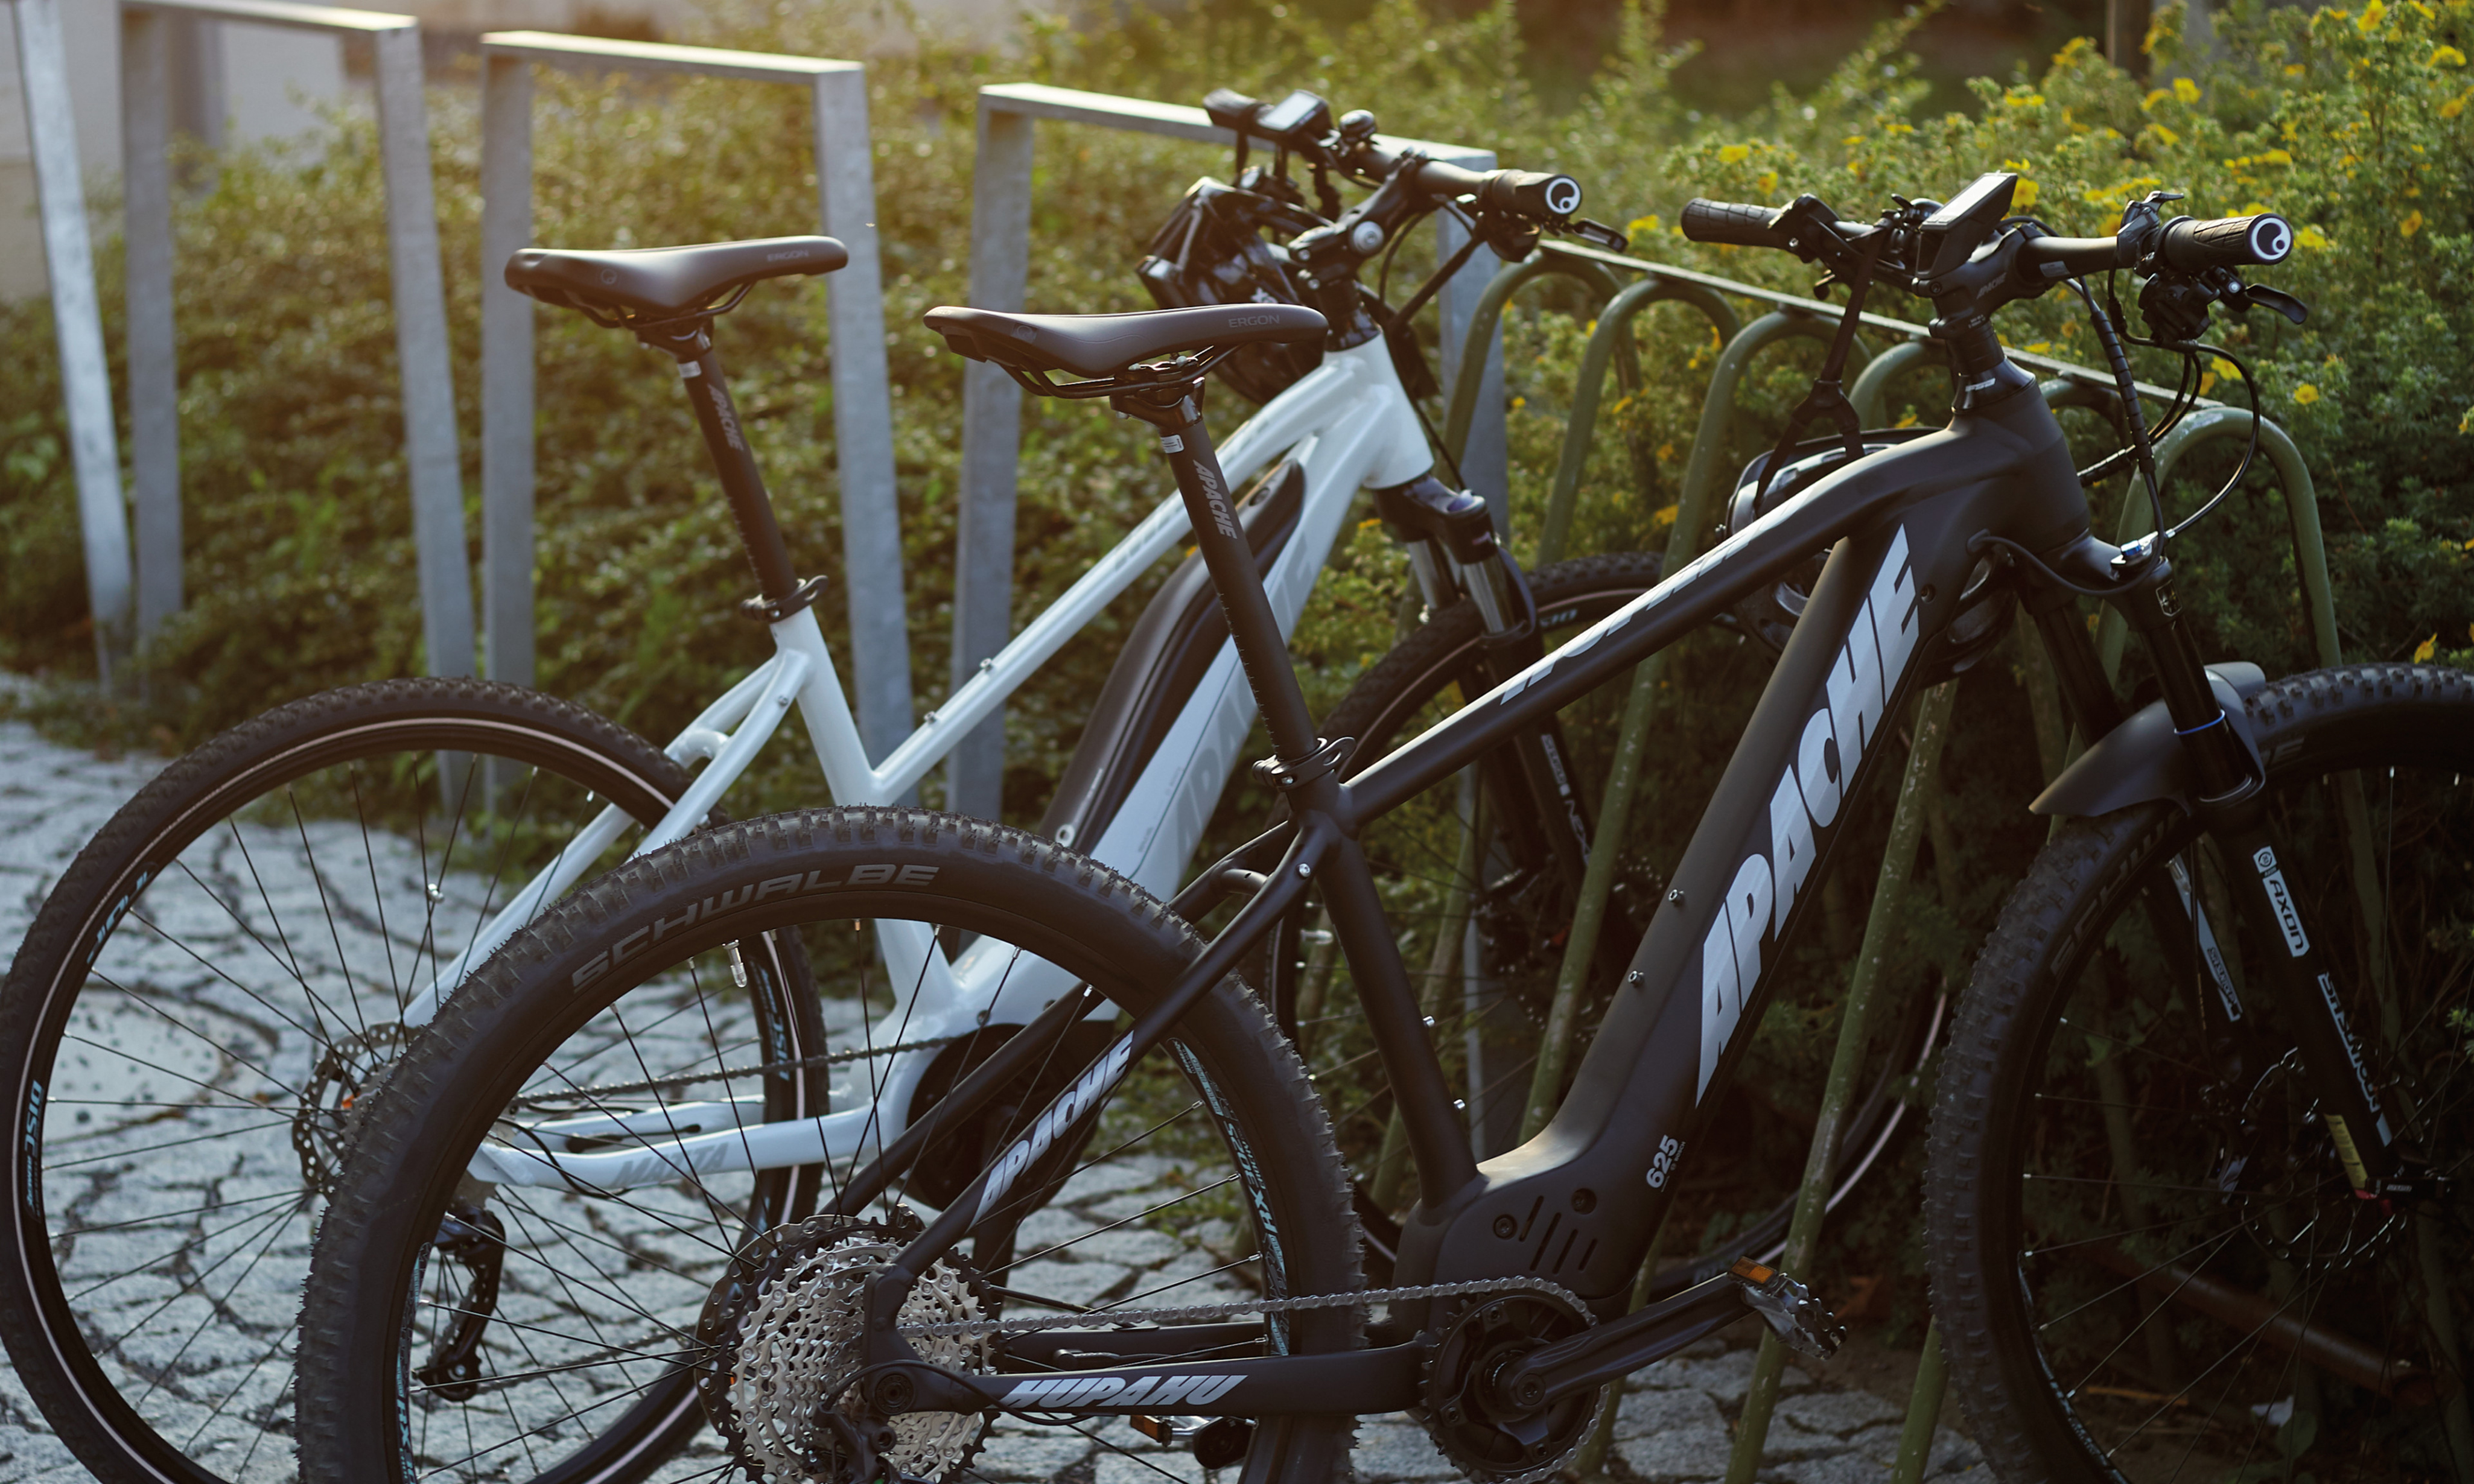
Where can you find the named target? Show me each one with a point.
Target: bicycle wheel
(638, 1263)
(204, 995)
(2145, 1258)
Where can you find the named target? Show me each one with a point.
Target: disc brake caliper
(473, 1239)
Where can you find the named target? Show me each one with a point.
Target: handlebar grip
(1531, 193)
(2227, 242)
(1732, 222)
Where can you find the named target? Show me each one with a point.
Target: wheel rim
(240, 995)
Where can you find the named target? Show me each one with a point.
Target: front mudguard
(2143, 759)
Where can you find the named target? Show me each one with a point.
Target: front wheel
(2146, 1259)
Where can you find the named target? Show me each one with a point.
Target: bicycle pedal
(1789, 1308)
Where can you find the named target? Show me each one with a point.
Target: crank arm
(1599, 1354)
(1345, 1383)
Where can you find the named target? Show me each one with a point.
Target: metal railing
(418, 297)
(992, 405)
(863, 402)
(77, 318)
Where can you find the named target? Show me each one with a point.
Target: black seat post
(701, 370)
(1260, 646)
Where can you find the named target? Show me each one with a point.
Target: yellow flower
(2412, 224)
(2457, 104)
(2164, 136)
(2422, 651)
(2305, 395)
(1518, 402)
(1853, 140)
(2446, 57)
(1734, 153)
(2294, 69)
(1766, 181)
(2025, 197)
(2371, 16)
(2040, 348)
(1640, 227)
(2255, 209)
(2155, 97)
(2312, 238)
(2276, 157)
(2186, 90)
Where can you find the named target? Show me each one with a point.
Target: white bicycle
(249, 943)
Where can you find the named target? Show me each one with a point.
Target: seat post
(1261, 648)
(750, 507)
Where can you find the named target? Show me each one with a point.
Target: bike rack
(433, 466)
(1790, 318)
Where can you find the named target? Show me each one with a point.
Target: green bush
(300, 567)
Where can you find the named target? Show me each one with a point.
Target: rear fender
(2143, 759)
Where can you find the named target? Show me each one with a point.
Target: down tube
(1577, 1203)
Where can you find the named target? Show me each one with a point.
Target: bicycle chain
(1204, 1312)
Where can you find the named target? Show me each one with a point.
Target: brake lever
(1596, 235)
(2266, 298)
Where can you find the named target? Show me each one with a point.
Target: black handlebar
(1731, 223)
(2227, 242)
(1540, 195)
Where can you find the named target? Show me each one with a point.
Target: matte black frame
(1580, 1199)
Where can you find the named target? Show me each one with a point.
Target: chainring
(1489, 1439)
(780, 1340)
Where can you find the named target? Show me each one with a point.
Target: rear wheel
(2146, 1259)
(647, 1260)
(209, 992)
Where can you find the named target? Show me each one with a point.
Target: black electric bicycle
(864, 1342)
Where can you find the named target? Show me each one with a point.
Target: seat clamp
(1288, 777)
(772, 611)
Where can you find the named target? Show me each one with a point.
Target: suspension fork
(2229, 796)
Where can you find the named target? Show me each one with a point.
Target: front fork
(2228, 793)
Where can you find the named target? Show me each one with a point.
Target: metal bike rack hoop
(992, 405)
(418, 297)
(862, 403)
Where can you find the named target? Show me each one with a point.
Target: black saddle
(665, 282)
(1104, 345)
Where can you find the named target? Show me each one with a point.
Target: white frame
(1347, 424)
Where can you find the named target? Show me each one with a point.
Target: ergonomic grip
(1732, 222)
(2227, 242)
(1537, 193)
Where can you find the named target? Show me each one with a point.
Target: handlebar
(2227, 242)
(1541, 195)
(1731, 223)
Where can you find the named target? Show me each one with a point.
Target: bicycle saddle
(1102, 344)
(665, 282)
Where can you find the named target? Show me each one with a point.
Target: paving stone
(1041, 1458)
(1836, 1413)
(1388, 1451)
(1074, 1282)
(1646, 1414)
(1134, 1246)
(1831, 1469)
(1114, 1467)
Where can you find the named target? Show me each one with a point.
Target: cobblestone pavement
(1675, 1424)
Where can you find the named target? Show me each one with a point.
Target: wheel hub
(1495, 1437)
(781, 1337)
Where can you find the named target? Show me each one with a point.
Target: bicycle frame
(1346, 426)
(1576, 1204)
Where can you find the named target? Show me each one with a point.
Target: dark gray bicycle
(2318, 1035)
